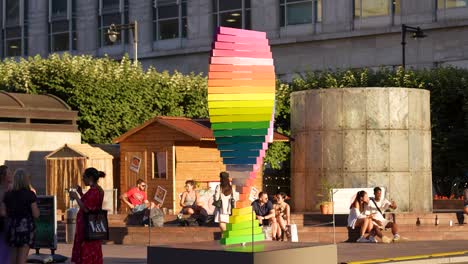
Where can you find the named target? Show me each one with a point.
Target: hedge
(114, 96)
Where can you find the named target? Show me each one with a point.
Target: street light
(417, 33)
(113, 33)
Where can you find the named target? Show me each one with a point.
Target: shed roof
(36, 112)
(199, 129)
(79, 151)
(36, 101)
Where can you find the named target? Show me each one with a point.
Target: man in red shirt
(136, 198)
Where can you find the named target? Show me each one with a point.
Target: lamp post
(417, 33)
(114, 31)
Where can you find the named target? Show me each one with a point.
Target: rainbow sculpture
(241, 102)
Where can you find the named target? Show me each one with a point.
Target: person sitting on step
(283, 217)
(263, 208)
(137, 201)
(378, 206)
(465, 204)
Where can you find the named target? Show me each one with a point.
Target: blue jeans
(139, 208)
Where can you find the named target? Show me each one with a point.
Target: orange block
(240, 61)
(241, 68)
(243, 203)
(240, 90)
(234, 83)
(244, 196)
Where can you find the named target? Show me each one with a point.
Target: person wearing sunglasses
(136, 198)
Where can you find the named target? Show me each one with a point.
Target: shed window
(159, 165)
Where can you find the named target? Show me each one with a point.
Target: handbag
(217, 203)
(96, 225)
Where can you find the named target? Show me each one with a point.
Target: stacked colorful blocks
(241, 100)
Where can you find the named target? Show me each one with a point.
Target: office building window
(374, 8)
(169, 19)
(62, 25)
(295, 12)
(112, 12)
(15, 28)
(231, 13)
(443, 4)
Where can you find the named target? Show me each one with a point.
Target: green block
(242, 225)
(242, 232)
(240, 139)
(240, 125)
(242, 239)
(241, 132)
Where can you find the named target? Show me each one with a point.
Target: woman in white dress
(225, 193)
(358, 218)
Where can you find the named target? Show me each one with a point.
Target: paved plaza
(417, 252)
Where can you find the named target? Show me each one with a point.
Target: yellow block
(241, 218)
(241, 111)
(242, 104)
(241, 97)
(242, 211)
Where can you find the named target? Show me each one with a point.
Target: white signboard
(253, 194)
(160, 195)
(342, 198)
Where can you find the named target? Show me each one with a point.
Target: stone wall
(27, 149)
(362, 137)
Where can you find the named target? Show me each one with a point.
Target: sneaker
(396, 237)
(386, 239)
(363, 240)
(372, 239)
(179, 216)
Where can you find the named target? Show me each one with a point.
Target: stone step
(168, 235)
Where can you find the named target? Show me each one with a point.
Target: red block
(235, 83)
(241, 68)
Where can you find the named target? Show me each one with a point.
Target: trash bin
(70, 222)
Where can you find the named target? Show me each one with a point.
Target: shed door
(134, 167)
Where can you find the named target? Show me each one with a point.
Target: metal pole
(135, 42)
(403, 43)
(333, 212)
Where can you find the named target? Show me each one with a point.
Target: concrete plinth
(266, 252)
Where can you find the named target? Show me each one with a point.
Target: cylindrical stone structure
(362, 138)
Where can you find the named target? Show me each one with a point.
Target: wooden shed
(65, 167)
(167, 151)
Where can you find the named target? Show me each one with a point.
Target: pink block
(244, 54)
(240, 47)
(240, 61)
(241, 40)
(241, 32)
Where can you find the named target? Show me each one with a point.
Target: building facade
(305, 35)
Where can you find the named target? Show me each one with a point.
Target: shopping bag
(293, 232)
(267, 232)
(96, 225)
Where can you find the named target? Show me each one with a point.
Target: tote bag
(96, 225)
